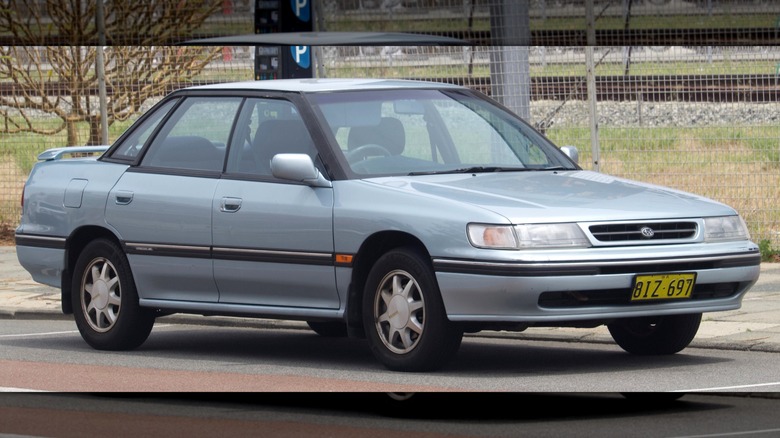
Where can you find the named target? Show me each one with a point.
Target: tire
(652, 398)
(105, 300)
(655, 335)
(328, 329)
(403, 315)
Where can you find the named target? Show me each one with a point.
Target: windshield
(414, 131)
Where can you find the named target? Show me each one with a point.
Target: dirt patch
(7, 235)
(12, 180)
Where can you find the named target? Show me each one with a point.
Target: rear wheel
(403, 314)
(655, 335)
(105, 300)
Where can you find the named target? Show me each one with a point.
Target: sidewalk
(755, 327)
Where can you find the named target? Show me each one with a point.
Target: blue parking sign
(301, 55)
(301, 9)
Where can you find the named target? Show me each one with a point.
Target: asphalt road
(51, 356)
(358, 415)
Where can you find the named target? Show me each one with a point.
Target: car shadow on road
(549, 357)
(507, 358)
(296, 347)
(471, 407)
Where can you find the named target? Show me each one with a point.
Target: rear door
(162, 207)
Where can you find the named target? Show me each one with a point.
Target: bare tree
(59, 80)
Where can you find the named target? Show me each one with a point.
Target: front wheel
(403, 314)
(105, 301)
(655, 335)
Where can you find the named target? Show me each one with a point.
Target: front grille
(643, 231)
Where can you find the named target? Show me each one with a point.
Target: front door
(273, 239)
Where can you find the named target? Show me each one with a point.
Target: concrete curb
(22, 313)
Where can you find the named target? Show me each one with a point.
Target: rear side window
(195, 136)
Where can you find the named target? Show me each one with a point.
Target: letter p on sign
(301, 9)
(301, 55)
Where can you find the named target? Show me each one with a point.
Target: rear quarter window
(195, 137)
(131, 146)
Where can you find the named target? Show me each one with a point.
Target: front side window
(195, 137)
(267, 127)
(403, 131)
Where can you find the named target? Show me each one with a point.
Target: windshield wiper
(488, 169)
(473, 169)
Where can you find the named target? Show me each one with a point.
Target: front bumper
(557, 292)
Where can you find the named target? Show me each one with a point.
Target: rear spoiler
(59, 153)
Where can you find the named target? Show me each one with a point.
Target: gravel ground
(655, 114)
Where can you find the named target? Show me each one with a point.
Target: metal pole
(591, 80)
(317, 57)
(590, 18)
(510, 76)
(101, 71)
(592, 112)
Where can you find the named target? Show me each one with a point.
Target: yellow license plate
(663, 286)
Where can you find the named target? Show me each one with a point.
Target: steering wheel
(367, 150)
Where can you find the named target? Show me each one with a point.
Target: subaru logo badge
(647, 232)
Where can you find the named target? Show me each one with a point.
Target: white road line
(25, 335)
(746, 432)
(726, 388)
(68, 332)
(8, 389)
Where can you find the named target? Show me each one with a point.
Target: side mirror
(298, 167)
(572, 153)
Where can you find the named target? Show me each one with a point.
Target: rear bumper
(42, 257)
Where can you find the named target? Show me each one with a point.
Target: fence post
(592, 112)
(100, 70)
(510, 76)
(591, 81)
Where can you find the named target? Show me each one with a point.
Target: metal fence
(484, 22)
(682, 93)
(565, 22)
(700, 119)
(551, 22)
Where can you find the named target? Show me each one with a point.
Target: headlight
(527, 236)
(551, 236)
(725, 228)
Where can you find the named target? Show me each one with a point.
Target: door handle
(123, 197)
(230, 205)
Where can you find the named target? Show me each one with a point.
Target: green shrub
(767, 253)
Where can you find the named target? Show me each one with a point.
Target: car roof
(324, 85)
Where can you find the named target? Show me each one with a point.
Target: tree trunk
(73, 133)
(94, 131)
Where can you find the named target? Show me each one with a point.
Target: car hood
(560, 196)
